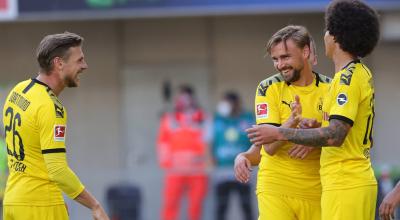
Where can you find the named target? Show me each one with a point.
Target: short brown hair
(55, 45)
(299, 35)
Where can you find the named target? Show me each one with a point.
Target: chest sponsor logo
(59, 132)
(342, 99)
(262, 110)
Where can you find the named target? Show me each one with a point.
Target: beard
(70, 82)
(295, 76)
(292, 77)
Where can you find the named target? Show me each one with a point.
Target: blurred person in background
(35, 124)
(184, 155)
(288, 180)
(229, 139)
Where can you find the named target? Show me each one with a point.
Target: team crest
(262, 110)
(342, 99)
(59, 132)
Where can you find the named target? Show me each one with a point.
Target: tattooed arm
(333, 135)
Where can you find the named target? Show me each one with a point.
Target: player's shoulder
(268, 82)
(21, 85)
(42, 95)
(352, 70)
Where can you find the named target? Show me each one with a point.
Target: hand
(295, 116)
(242, 168)
(299, 151)
(309, 123)
(263, 134)
(98, 213)
(388, 205)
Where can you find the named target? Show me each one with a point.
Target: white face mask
(224, 108)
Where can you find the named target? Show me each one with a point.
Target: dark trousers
(223, 191)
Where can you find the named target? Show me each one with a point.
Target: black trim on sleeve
(274, 124)
(54, 150)
(342, 118)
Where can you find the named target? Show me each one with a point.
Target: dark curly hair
(354, 26)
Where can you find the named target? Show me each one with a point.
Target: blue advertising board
(180, 7)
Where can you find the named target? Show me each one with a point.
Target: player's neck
(53, 81)
(306, 77)
(341, 59)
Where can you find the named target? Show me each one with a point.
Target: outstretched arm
(87, 199)
(69, 183)
(333, 135)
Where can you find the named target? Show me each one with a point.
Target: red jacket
(181, 144)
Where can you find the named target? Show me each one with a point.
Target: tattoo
(333, 135)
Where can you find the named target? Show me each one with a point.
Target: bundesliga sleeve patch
(59, 132)
(262, 110)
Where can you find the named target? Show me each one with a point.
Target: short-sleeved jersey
(35, 124)
(280, 174)
(350, 99)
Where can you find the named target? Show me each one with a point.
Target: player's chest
(311, 103)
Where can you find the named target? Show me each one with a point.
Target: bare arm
(333, 135)
(87, 199)
(244, 161)
(252, 154)
(389, 203)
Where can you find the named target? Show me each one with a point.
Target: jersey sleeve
(266, 106)
(52, 128)
(346, 98)
(62, 175)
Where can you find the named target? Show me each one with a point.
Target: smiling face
(289, 59)
(72, 66)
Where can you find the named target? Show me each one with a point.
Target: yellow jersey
(280, 174)
(35, 124)
(350, 99)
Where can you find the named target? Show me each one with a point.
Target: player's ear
(306, 52)
(58, 63)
